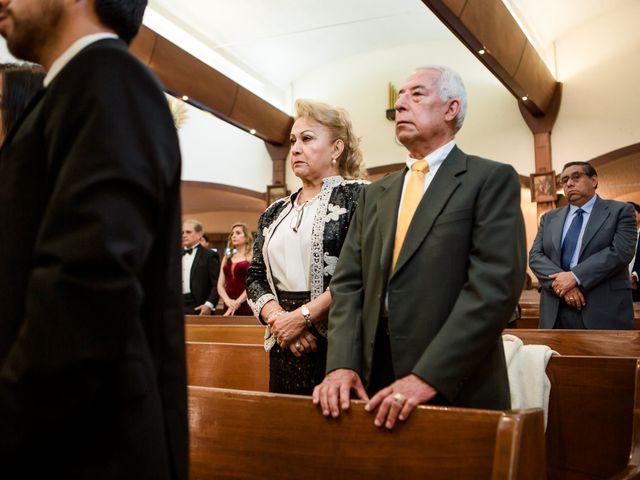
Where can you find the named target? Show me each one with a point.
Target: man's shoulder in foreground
(108, 60)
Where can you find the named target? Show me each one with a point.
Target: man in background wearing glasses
(581, 254)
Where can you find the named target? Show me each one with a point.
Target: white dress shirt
(72, 51)
(187, 263)
(434, 159)
(587, 208)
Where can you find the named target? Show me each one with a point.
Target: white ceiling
(277, 41)
(280, 40)
(548, 20)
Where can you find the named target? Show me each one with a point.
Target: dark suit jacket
(603, 265)
(456, 283)
(92, 361)
(204, 276)
(636, 268)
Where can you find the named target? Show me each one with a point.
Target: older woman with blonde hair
(298, 242)
(232, 281)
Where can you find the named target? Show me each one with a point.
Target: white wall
(494, 127)
(221, 222)
(598, 64)
(215, 151)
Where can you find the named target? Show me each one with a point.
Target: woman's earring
(333, 161)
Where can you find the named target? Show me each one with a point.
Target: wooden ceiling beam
(488, 25)
(184, 74)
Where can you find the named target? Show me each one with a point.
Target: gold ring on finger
(399, 398)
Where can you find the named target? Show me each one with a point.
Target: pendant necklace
(296, 219)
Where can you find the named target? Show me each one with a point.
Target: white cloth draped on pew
(526, 366)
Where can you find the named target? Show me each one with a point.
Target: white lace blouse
(290, 251)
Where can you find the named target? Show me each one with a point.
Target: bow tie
(187, 251)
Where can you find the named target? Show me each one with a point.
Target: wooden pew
(594, 418)
(226, 365)
(594, 408)
(236, 434)
(593, 343)
(533, 321)
(604, 343)
(252, 334)
(220, 320)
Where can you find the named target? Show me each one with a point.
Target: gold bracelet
(276, 312)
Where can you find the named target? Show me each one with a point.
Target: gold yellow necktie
(410, 200)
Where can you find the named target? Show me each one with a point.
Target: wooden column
(278, 155)
(541, 126)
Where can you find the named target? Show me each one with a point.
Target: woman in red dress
(233, 274)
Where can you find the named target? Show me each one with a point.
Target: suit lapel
(387, 214)
(196, 259)
(556, 226)
(432, 203)
(21, 118)
(598, 215)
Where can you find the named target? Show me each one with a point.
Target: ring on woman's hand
(299, 346)
(399, 399)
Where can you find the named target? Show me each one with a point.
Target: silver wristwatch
(307, 315)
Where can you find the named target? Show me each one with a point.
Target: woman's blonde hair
(337, 120)
(248, 240)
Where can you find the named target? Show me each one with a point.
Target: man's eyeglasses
(574, 176)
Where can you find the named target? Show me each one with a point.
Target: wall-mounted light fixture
(393, 97)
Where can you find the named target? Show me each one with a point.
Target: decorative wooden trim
(207, 89)
(543, 123)
(487, 25)
(614, 155)
(226, 188)
(382, 169)
(278, 154)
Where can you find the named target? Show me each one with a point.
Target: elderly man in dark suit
(581, 257)
(200, 271)
(92, 359)
(430, 272)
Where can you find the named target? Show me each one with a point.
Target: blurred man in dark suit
(634, 266)
(200, 271)
(92, 359)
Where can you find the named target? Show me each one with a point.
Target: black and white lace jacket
(338, 200)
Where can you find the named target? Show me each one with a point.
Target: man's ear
(453, 109)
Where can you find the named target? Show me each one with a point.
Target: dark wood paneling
(456, 6)
(494, 28)
(534, 79)
(614, 155)
(184, 74)
(487, 24)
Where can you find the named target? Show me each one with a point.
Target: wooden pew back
(251, 334)
(592, 343)
(594, 408)
(238, 434)
(220, 320)
(226, 365)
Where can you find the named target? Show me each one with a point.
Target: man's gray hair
(197, 226)
(450, 86)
